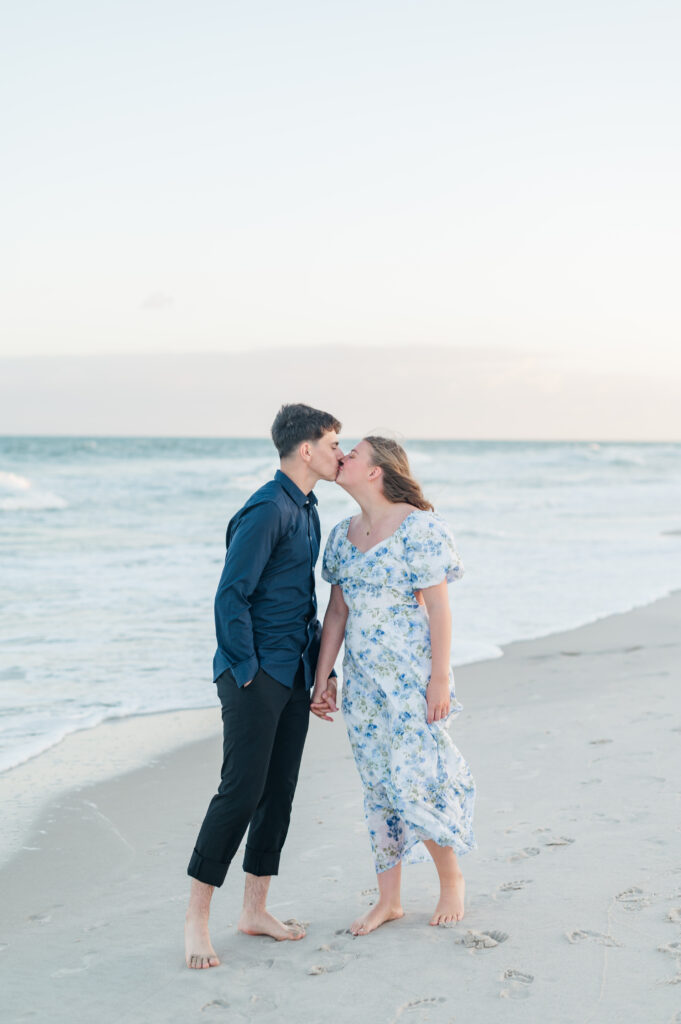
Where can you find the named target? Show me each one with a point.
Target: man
(268, 641)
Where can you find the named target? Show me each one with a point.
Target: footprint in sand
(582, 935)
(417, 1004)
(529, 851)
(334, 958)
(329, 966)
(482, 940)
(673, 949)
(674, 915)
(595, 743)
(215, 1004)
(518, 984)
(633, 898)
(515, 885)
(558, 841)
(511, 973)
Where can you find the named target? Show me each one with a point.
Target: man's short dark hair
(294, 424)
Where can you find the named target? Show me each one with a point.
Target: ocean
(111, 550)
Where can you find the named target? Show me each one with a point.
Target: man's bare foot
(375, 917)
(450, 905)
(261, 922)
(198, 949)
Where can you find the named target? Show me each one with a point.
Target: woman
(389, 567)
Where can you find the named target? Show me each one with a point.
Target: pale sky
(222, 177)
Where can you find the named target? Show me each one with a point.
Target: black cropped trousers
(264, 730)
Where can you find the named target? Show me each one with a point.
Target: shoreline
(574, 893)
(108, 750)
(68, 762)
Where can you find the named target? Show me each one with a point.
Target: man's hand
(437, 698)
(323, 700)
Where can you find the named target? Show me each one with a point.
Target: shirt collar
(294, 491)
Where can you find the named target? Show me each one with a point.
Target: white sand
(574, 896)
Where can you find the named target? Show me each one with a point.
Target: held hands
(324, 698)
(437, 698)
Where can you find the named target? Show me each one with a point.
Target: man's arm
(253, 541)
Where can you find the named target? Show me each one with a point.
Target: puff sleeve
(430, 551)
(330, 562)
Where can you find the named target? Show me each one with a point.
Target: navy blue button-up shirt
(265, 606)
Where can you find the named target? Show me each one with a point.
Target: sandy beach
(574, 895)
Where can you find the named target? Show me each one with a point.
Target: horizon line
(349, 435)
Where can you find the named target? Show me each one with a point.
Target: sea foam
(17, 493)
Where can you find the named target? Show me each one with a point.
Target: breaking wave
(17, 493)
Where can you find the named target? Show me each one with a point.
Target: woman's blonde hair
(398, 483)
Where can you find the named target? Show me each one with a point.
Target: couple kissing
(388, 566)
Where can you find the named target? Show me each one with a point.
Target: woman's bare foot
(450, 905)
(261, 922)
(374, 918)
(198, 949)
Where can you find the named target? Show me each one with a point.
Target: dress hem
(459, 850)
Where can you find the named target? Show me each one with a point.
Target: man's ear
(305, 451)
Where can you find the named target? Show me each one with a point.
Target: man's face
(326, 455)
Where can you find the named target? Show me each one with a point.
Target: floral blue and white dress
(416, 783)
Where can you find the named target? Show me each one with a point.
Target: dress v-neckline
(378, 543)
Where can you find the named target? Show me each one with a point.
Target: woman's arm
(324, 695)
(437, 692)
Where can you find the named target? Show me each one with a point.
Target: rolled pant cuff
(259, 862)
(212, 872)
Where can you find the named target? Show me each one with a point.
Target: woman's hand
(437, 698)
(324, 698)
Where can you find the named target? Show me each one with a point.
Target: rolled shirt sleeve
(250, 546)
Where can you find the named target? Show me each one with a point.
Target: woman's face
(355, 467)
